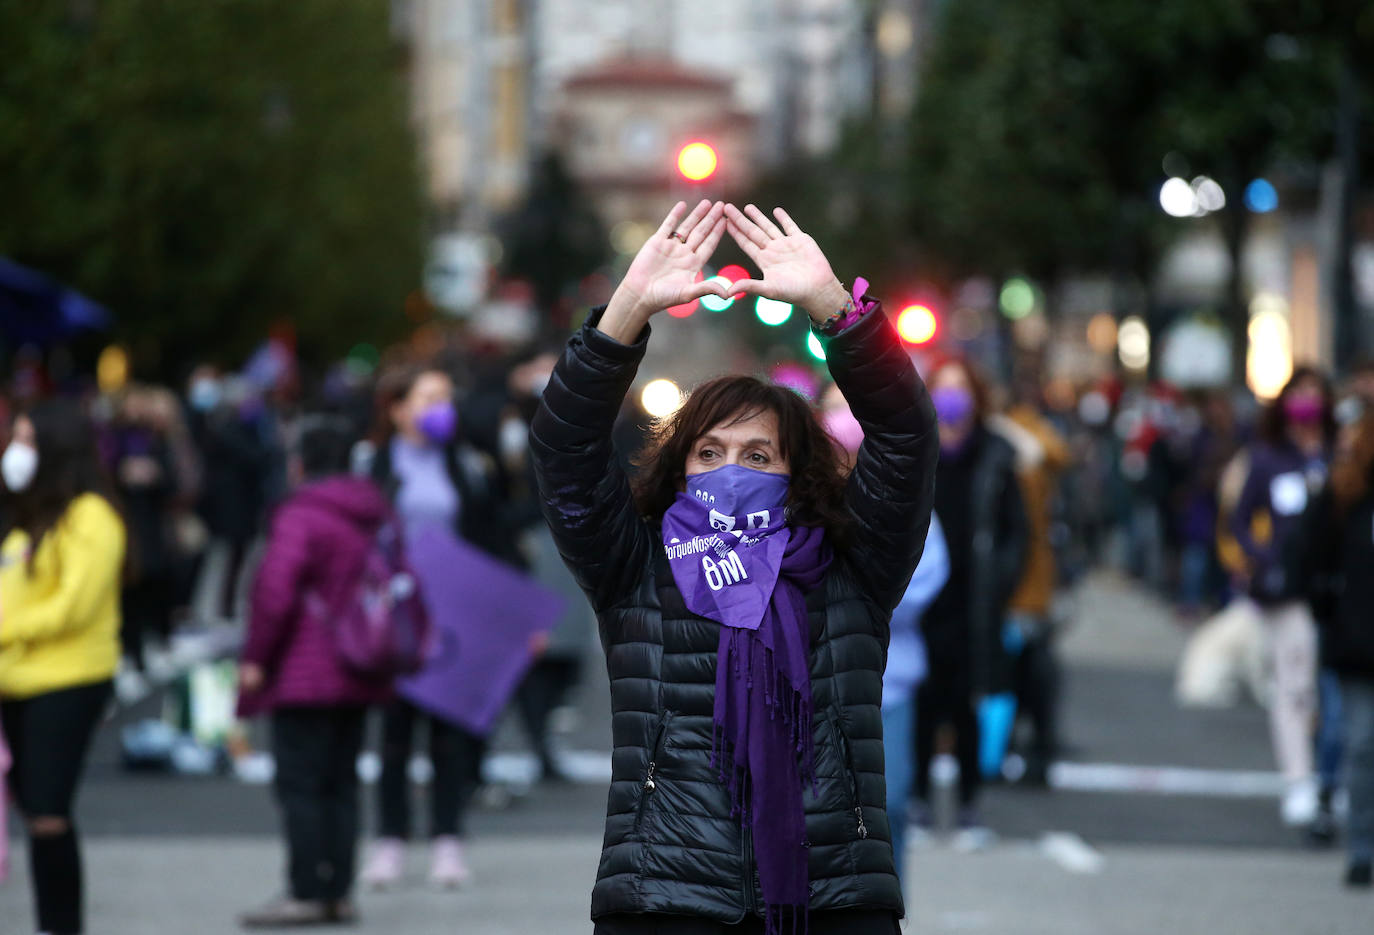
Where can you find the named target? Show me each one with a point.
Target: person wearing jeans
(319, 542)
(61, 562)
(1329, 559)
(906, 668)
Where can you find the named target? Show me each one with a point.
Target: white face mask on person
(18, 466)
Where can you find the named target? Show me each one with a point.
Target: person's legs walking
(386, 863)
(457, 756)
(898, 734)
(341, 820)
(49, 736)
(301, 746)
(1293, 637)
(1358, 699)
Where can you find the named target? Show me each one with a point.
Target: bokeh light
(1261, 197)
(733, 273)
(1017, 298)
(917, 324)
(772, 311)
(112, 369)
(1133, 343)
(1102, 332)
(661, 398)
(1269, 360)
(813, 344)
(1177, 198)
(716, 303)
(697, 162)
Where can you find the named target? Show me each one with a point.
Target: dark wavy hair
(1273, 422)
(816, 494)
(68, 466)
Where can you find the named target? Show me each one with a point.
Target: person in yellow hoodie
(61, 563)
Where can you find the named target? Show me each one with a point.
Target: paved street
(1101, 854)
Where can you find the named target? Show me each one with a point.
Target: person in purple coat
(1288, 468)
(289, 667)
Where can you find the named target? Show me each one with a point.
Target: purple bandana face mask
(1304, 408)
(439, 423)
(720, 542)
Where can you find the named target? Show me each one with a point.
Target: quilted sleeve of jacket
(583, 490)
(277, 588)
(892, 486)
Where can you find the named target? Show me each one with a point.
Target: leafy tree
(209, 169)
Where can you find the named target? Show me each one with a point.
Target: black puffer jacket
(671, 846)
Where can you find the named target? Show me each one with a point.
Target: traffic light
(696, 161)
(917, 324)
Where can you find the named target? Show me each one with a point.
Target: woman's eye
(758, 458)
(706, 454)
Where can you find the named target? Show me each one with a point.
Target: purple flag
(484, 615)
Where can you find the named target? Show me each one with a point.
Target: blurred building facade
(496, 81)
(469, 64)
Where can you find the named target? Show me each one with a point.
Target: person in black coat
(1330, 557)
(747, 784)
(978, 499)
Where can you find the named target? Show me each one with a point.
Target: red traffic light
(917, 324)
(697, 161)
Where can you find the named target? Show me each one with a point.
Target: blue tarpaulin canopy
(35, 309)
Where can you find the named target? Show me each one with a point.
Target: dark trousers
(316, 750)
(946, 697)
(544, 687)
(1036, 675)
(457, 759)
(49, 736)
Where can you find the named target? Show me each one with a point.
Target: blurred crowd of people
(1253, 519)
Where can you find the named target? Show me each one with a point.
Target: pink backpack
(382, 628)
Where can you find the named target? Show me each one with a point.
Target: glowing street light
(697, 161)
(661, 398)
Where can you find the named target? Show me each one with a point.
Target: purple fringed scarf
(737, 561)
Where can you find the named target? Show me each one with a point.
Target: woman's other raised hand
(664, 272)
(794, 268)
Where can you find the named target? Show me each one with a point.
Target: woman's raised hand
(664, 272)
(794, 268)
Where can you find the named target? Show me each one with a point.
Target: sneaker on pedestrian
(342, 911)
(1322, 831)
(971, 834)
(385, 864)
(1360, 874)
(1300, 803)
(285, 912)
(448, 864)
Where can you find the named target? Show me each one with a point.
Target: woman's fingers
(706, 227)
(749, 287)
(685, 229)
(708, 246)
(763, 222)
(706, 287)
(670, 222)
(746, 229)
(785, 219)
(750, 248)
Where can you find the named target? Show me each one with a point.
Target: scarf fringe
(774, 918)
(732, 768)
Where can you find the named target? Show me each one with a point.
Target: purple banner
(485, 613)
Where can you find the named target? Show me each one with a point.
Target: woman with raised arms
(743, 588)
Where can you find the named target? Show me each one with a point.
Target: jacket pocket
(850, 777)
(650, 782)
